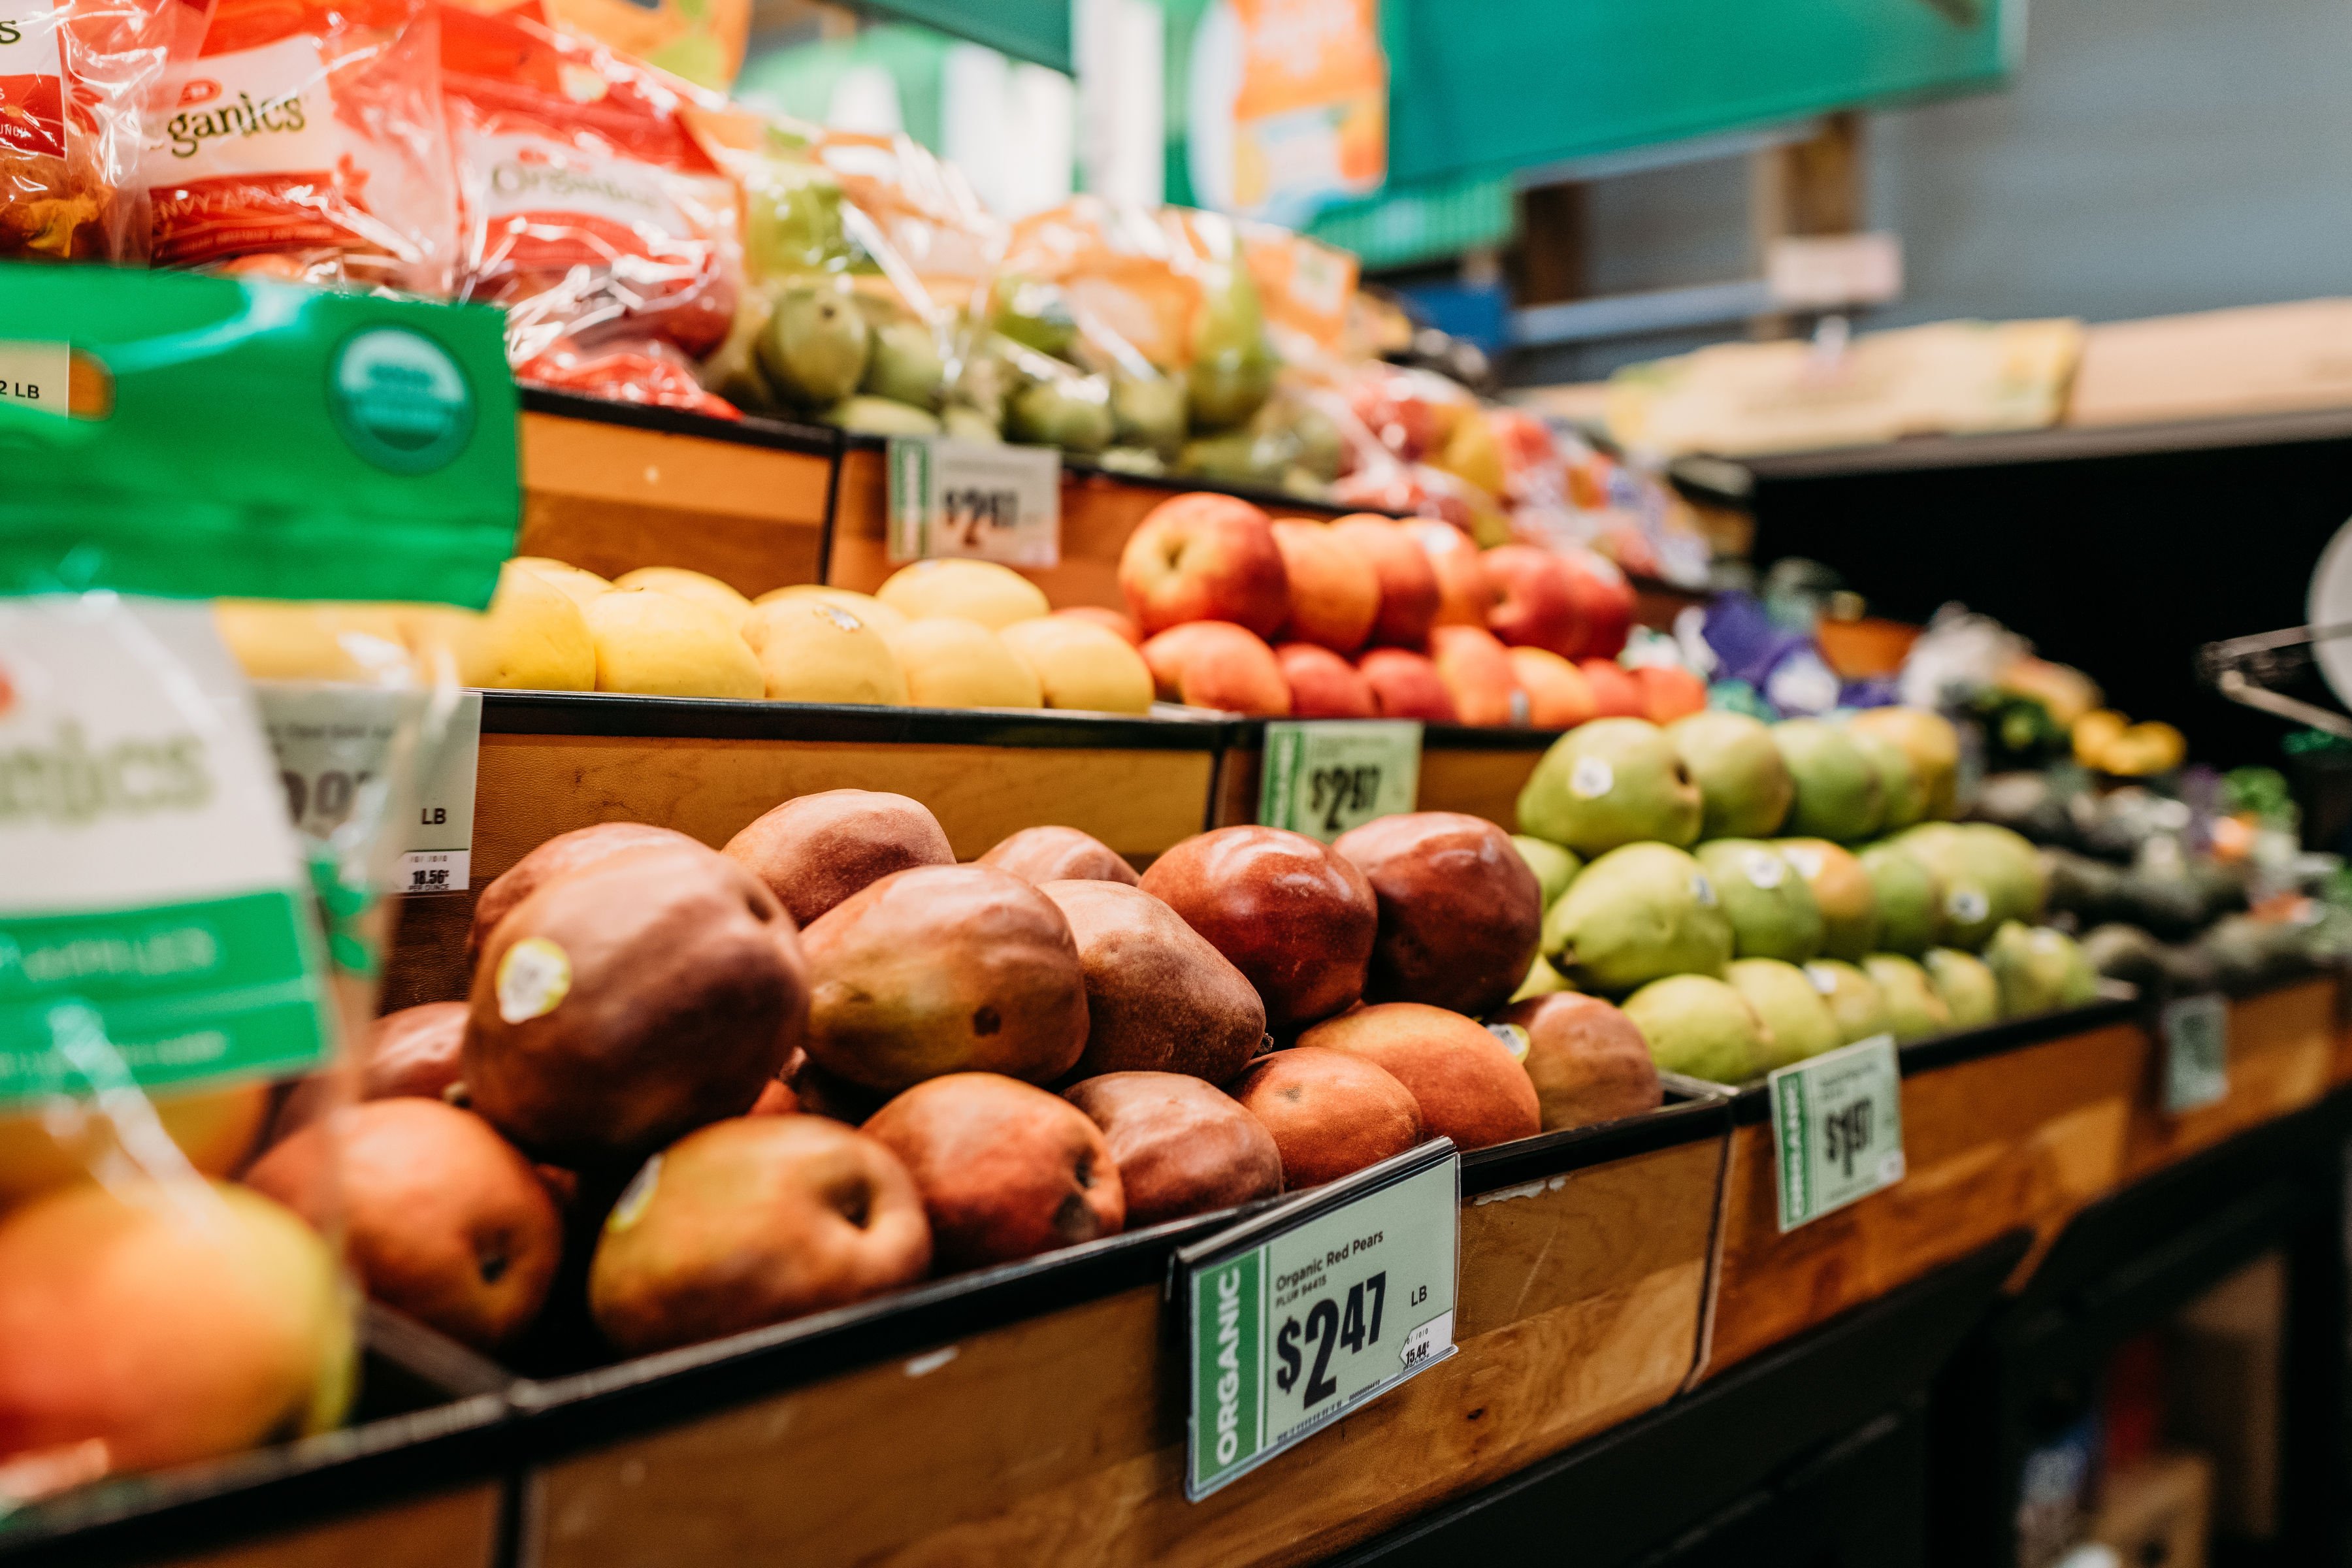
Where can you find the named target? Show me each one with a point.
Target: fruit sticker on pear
(534, 977)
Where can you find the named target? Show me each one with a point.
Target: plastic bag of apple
(826, 1062)
(1758, 894)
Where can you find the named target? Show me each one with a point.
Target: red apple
(1205, 557)
(1604, 603)
(1216, 664)
(1478, 675)
(1408, 582)
(1322, 684)
(1669, 693)
(1335, 597)
(1407, 686)
(1615, 693)
(1296, 918)
(1464, 592)
(1537, 610)
(1558, 697)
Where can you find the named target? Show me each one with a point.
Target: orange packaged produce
(588, 213)
(79, 81)
(306, 140)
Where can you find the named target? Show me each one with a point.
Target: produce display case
(418, 1476)
(612, 487)
(2014, 1126)
(552, 762)
(1035, 1414)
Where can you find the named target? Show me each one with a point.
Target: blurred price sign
(437, 840)
(1311, 1309)
(1837, 1129)
(969, 497)
(2195, 1031)
(1322, 778)
(333, 744)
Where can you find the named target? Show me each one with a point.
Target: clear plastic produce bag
(198, 811)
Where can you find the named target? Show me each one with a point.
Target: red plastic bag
(80, 81)
(637, 370)
(588, 211)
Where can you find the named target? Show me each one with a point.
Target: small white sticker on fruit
(1520, 709)
(1967, 905)
(1764, 869)
(635, 1196)
(534, 977)
(841, 617)
(1592, 778)
(1824, 977)
(1514, 1038)
(1805, 858)
(1702, 889)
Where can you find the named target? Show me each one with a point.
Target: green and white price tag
(1322, 778)
(2195, 1031)
(1837, 1128)
(969, 497)
(334, 742)
(1305, 1312)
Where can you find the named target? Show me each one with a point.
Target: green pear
(2040, 970)
(881, 417)
(1543, 980)
(1933, 745)
(2014, 870)
(1148, 411)
(1744, 787)
(982, 382)
(1140, 461)
(1770, 908)
(733, 371)
(1233, 367)
(1034, 314)
(906, 366)
(1069, 412)
(1914, 1009)
(1909, 904)
(1902, 795)
(815, 347)
(1964, 902)
(1965, 984)
(1838, 793)
(1238, 456)
(1853, 998)
(1699, 1025)
(1841, 890)
(970, 424)
(792, 219)
(1634, 915)
(1610, 782)
(1554, 867)
(1797, 1022)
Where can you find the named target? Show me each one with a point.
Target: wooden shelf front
(449, 1530)
(2283, 1045)
(611, 488)
(2018, 1138)
(550, 763)
(1058, 1438)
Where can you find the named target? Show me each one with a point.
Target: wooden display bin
(420, 1476)
(2014, 1126)
(2283, 1043)
(614, 486)
(1468, 768)
(1099, 510)
(552, 762)
(1034, 1415)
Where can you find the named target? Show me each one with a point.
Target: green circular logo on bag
(400, 400)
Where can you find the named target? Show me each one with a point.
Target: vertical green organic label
(1228, 1314)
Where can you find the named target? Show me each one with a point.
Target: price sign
(333, 744)
(970, 498)
(1323, 777)
(1305, 1312)
(2195, 1032)
(1837, 1128)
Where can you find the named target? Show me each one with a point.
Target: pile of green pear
(1759, 893)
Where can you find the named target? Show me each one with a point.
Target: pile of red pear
(696, 1092)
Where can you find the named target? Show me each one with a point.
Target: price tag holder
(1322, 778)
(437, 841)
(1837, 1129)
(2195, 1031)
(1301, 1314)
(972, 499)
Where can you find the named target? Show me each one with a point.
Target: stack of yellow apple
(938, 633)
